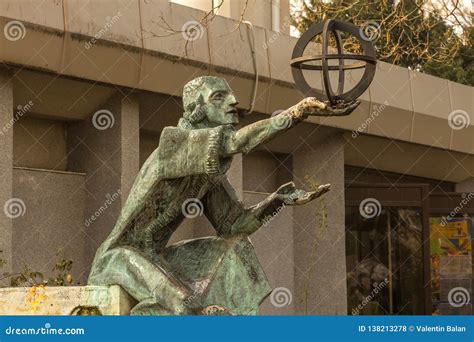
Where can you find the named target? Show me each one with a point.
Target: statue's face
(221, 104)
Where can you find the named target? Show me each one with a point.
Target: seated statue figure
(211, 275)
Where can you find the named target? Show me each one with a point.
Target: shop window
(451, 224)
(408, 250)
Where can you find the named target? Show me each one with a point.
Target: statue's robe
(221, 270)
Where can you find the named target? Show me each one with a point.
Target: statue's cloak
(224, 270)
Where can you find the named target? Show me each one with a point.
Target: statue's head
(209, 102)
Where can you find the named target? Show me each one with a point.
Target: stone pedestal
(65, 300)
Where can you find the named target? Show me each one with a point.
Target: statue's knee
(239, 242)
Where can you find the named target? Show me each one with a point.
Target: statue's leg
(149, 307)
(155, 290)
(222, 271)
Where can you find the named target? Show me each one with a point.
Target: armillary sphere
(299, 62)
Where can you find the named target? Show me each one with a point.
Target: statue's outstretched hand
(315, 107)
(289, 195)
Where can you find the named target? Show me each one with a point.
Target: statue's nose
(234, 101)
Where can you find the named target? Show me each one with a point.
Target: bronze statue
(212, 275)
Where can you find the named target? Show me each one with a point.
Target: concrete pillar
(320, 260)
(106, 147)
(465, 186)
(130, 142)
(6, 168)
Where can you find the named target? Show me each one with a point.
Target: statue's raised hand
(289, 195)
(313, 106)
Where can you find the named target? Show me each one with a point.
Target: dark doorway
(385, 254)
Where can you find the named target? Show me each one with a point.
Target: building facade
(87, 86)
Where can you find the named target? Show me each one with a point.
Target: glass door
(387, 261)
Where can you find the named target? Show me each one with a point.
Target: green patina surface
(187, 172)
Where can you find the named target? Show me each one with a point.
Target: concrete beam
(405, 158)
(466, 185)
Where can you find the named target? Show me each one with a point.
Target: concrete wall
(274, 245)
(6, 165)
(40, 143)
(52, 221)
(108, 152)
(465, 186)
(263, 173)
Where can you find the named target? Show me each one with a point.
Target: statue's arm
(258, 215)
(229, 216)
(249, 137)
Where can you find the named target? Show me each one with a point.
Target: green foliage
(28, 277)
(86, 311)
(411, 33)
(321, 217)
(62, 269)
